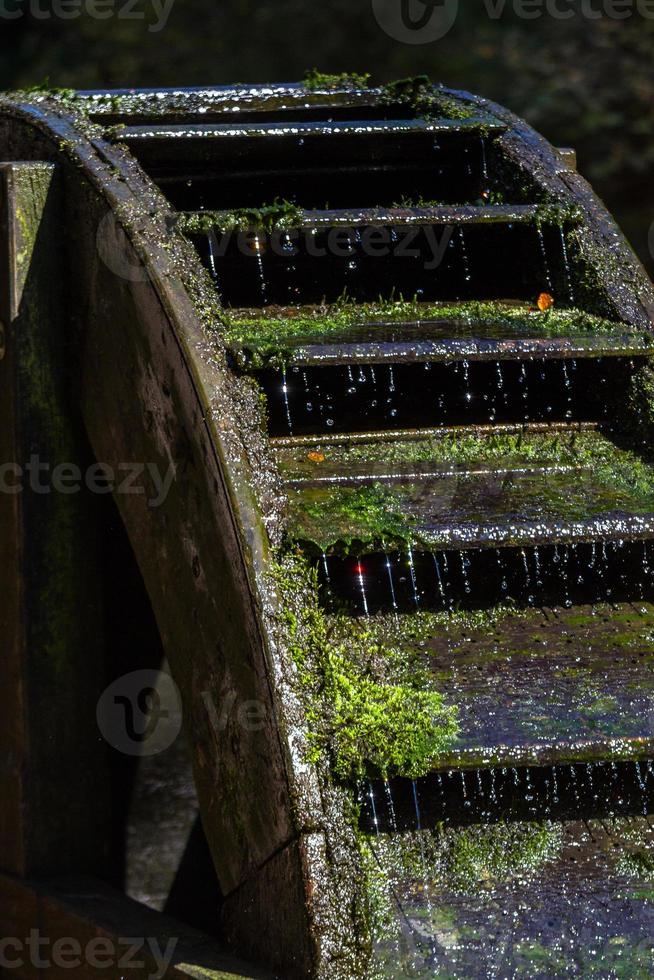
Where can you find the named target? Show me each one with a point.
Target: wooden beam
(54, 815)
(82, 929)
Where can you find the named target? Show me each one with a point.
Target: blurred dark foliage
(587, 83)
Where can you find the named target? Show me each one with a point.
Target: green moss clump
(278, 216)
(424, 98)
(351, 517)
(498, 853)
(51, 91)
(416, 201)
(316, 80)
(365, 725)
(558, 213)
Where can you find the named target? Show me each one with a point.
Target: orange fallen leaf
(316, 457)
(545, 302)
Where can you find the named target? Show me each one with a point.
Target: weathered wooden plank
(49, 609)
(82, 928)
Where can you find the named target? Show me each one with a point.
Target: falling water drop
(525, 388)
(213, 245)
(464, 255)
(537, 568)
(389, 571)
(525, 566)
(528, 786)
(326, 570)
(543, 251)
(375, 819)
(258, 251)
(391, 379)
(466, 383)
(465, 566)
(565, 577)
(485, 190)
(589, 775)
(391, 806)
(362, 588)
(286, 403)
(504, 585)
(439, 579)
(414, 584)
(466, 801)
(567, 383)
(566, 265)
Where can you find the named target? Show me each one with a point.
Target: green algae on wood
(574, 448)
(502, 502)
(279, 216)
(274, 331)
(575, 684)
(363, 724)
(316, 80)
(567, 879)
(425, 99)
(453, 861)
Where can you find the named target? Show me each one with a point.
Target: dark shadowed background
(586, 81)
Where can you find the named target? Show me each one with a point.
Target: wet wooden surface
(534, 901)
(550, 685)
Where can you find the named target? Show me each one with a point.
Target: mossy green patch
(425, 99)
(45, 88)
(352, 518)
(576, 448)
(330, 517)
(316, 80)
(445, 862)
(365, 725)
(269, 335)
(278, 216)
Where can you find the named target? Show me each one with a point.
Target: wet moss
(425, 99)
(445, 862)
(363, 724)
(634, 411)
(316, 80)
(269, 335)
(278, 216)
(45, 89)
(556, 212)
(351, 518)
(409, 633)
(335, 519)
(577, 448)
